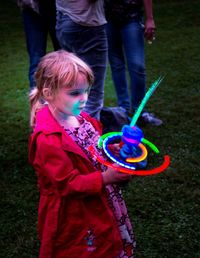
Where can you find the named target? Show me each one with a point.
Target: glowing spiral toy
(132, 154)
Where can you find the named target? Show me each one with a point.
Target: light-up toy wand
(133, 153)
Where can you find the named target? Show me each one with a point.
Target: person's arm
(53, 163)
(150, 27)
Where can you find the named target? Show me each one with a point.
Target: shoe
(149, 118)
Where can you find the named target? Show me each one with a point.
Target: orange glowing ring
(141, 157)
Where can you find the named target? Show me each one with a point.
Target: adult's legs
(133, 41)
(90, 44)
(36, 39)
(118, 65)
(47, 10)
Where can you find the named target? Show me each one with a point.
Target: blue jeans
(36, 29)
(90, 44)
(126, 46)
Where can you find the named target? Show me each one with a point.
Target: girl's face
(70, 101)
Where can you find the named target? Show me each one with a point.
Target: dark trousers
(90, 44)
(126, 49)
(36, 27)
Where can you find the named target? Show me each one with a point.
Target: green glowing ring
(151, 145)
(102, 138)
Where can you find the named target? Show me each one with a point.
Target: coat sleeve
(53, 163)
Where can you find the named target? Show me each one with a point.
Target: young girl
(81, 210)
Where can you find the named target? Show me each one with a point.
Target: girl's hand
(114, 148)
(111, 176)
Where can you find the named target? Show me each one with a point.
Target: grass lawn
(164, 208)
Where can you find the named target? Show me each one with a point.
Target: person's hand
(114, 148)
(149, 30)
(111, 176)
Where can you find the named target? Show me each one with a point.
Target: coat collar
(47, 124)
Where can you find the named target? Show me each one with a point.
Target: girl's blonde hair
(55, 70)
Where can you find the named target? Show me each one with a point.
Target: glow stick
(151, 145)
(145, 99)
(100, 141)
(148, 172)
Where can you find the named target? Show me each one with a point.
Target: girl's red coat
(74, 219)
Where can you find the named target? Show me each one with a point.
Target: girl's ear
(47, 94)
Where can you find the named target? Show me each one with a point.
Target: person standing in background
(39, 20)
(126, 33)
(81, 29)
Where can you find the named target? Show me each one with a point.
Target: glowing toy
(132, 154)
